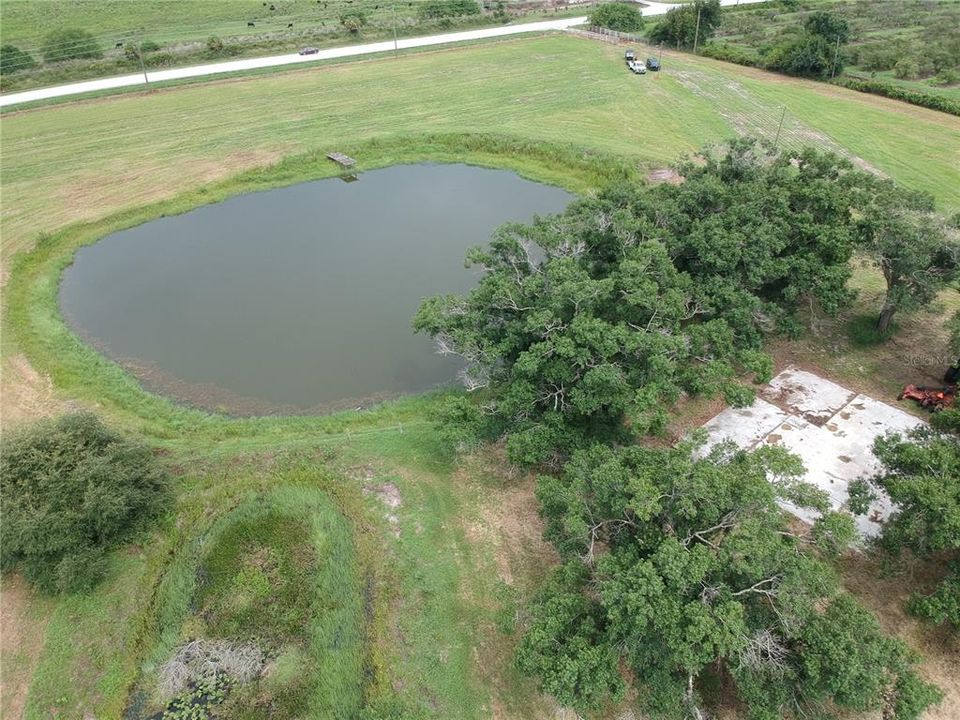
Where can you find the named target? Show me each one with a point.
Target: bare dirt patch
(101, 191)
(26, 394)
(916, 354)
(388, 494)
(885, 597)
(21, 640)
(664, 175)
(509, 522)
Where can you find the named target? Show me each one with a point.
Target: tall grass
(317, 574)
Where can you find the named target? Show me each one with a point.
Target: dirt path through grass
(23, 621)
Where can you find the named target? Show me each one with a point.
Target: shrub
(353, 21)
(881, 56)
(679, 25)
(947, 76)
(72, 489)
(806, 55)
(163, 59)
(149, 46)
(921, 474)
(890, 90)
(70, 44)
(906, 68)
(216, 47)
(13, 59)
(460, 426)
(828, 26)
(437, 9)
(730, 53)
(947, 421)
(617, 16)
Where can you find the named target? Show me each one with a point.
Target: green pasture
(447, 570)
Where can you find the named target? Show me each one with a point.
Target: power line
(138, 36)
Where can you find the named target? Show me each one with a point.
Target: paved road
(649, 9)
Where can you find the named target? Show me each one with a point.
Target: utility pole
(836, 56)
(659, 60)
(783, 114)
(696, 33)
(393, 9)
(143, 68)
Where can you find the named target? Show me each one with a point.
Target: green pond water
(297, 299)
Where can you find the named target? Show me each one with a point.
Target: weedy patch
(210, 661)
(262, 616)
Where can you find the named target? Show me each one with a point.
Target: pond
(299, 299)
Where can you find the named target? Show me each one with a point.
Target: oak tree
(915, 249)
(623, 17)
(921, 473)
(589, 325)
(681, 568)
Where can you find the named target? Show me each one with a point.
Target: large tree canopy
(829, 26)
(805, 55)
(596, 320)
(917, 251)
(624, 17)
(680, 27)
(681, 569)
(921, 474)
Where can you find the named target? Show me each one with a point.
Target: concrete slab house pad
(829, 427)
(810, 396)
(745, 426)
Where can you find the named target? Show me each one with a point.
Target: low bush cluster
(439, 9)
(13, 59)
(71, 490)
(935, 55)
(897, 92)
(70, 44)
(807, 51)
(731, 53)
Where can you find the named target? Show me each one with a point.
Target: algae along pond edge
(296, 300)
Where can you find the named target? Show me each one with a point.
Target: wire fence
(608, 35)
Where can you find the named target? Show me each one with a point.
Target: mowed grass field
(25, 22)
(166, 22)
(455, 559)
(87, 159)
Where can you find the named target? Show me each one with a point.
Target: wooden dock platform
(344, 161)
